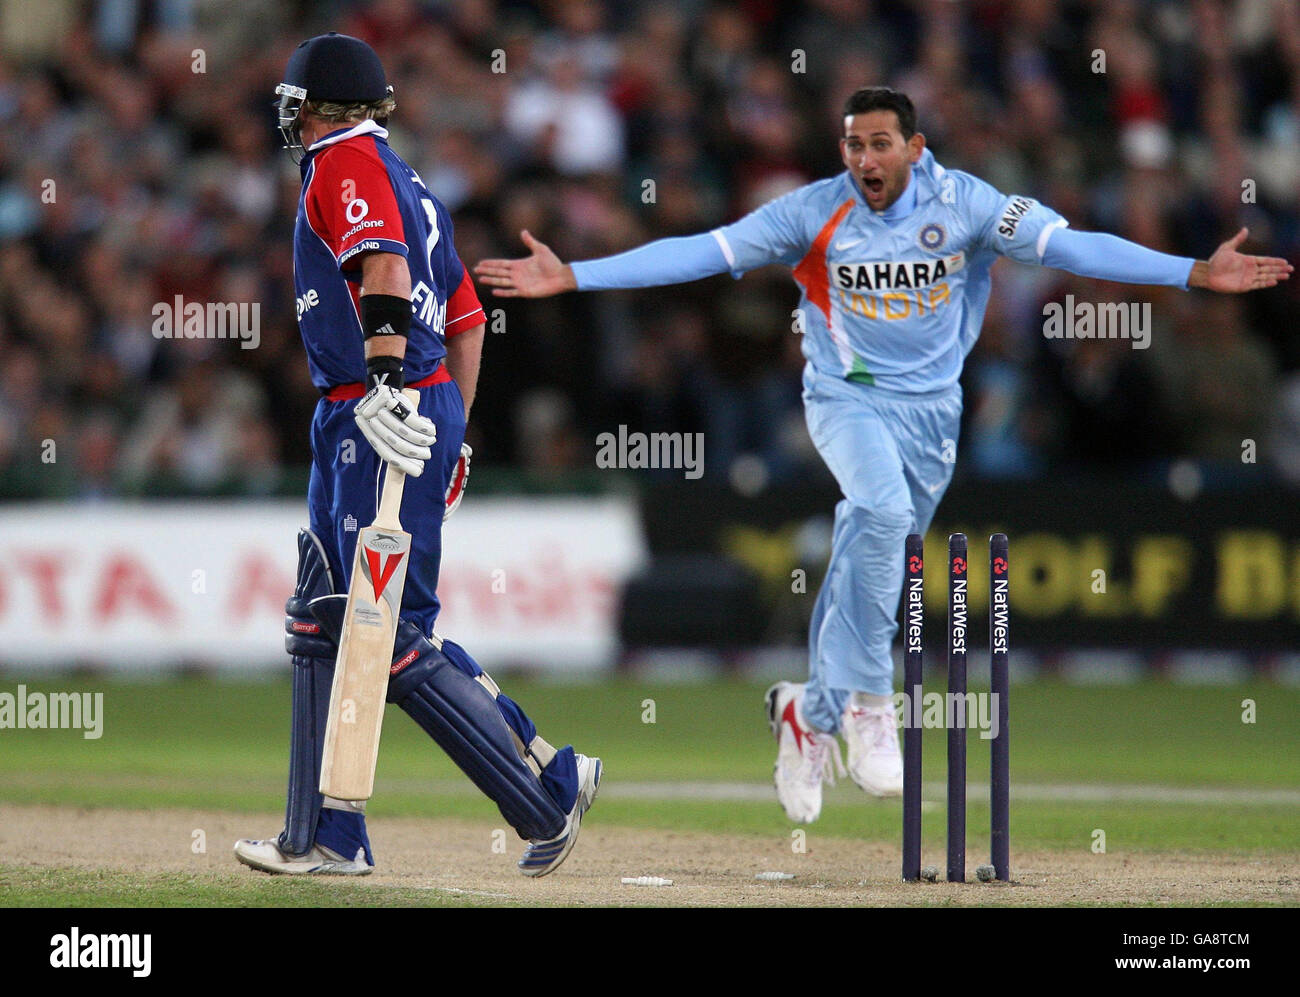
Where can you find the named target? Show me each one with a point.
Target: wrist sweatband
(385, 371)
(385, 315)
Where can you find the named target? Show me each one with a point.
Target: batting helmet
(333, 67)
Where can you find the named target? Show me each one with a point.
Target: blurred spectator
(199, 432)
(1217, 382)
(566, 122)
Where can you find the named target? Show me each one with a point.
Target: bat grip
(390, 501)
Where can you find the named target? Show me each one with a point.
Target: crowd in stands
(140, 161)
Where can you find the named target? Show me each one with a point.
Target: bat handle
(390, 502)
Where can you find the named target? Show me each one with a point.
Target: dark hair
(884, 99)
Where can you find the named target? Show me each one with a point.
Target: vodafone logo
(362, 226)
(356, 210)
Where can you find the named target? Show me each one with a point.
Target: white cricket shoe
(320, 861)
(875, 763)
(541, 857)
(805, 757)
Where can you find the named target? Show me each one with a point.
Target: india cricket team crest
(932, 237)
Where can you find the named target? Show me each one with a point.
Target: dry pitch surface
(457, 858)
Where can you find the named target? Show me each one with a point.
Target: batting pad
(462, 718)
(313, 650)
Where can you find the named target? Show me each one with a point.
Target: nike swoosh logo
(848, 245)
(935, 488)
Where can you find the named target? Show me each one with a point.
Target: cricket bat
(366, 647)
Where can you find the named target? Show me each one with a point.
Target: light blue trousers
(893, 455)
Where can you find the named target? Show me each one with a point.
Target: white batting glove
(399, 434)
(459, 479)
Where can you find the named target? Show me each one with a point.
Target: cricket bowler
(384, 303)
(893, 260)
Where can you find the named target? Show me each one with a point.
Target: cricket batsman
(892, 257)
(384, 302)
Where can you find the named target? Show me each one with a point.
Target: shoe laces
(823, 758)
(876, 726)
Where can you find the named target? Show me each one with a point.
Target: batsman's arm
(385, 278)
(463, 334)
(397, 431)
(464, 354)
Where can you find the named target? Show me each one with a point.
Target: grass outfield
(36, 887)
(221, 745)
